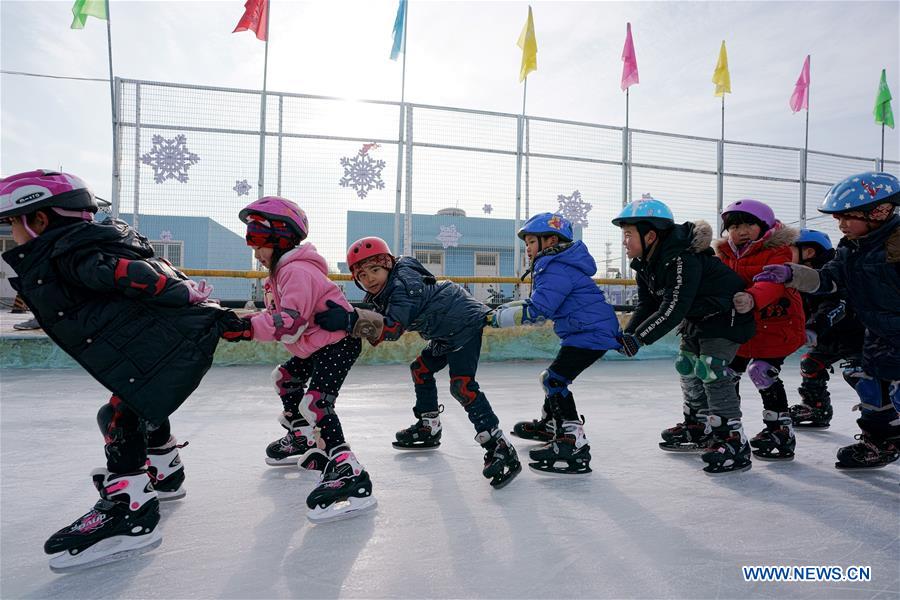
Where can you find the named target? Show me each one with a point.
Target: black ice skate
(166, 471)
(424, 434)
(691, 435)
(568, 454)
(776, 441)
(879, 445)
(501, 463)
(123, 523)
(296, 447)
(815, 411)
(541, 430)
(344, 490)
(729, 451)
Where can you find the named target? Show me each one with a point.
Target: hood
(408, 262)
(574, 255)
(91, 233)
(305, 253)
(694, 237)
(778, 236)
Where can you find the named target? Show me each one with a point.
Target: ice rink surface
(644, 524)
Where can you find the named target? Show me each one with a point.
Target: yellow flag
(528, 43)
(720, 76)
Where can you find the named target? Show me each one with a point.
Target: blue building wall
(207, 245)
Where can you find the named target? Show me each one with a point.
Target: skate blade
(398, 446)
(544, 469)
(728, 471)
(344, 509)
(503, 481)
(811, 426)
(849, 469)
(682, 449)
(175, 495)
(530, 438)
(290, 461)
(106, 551)
(772, 458)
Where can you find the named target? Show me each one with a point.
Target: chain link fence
(449, 186)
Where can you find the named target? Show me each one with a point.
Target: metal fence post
(280, 138)
(518, 219)
(396, 245)
(137, 157)
(115, 192)
(720, 182)
(803, 162)
(625, 176)
(407, 226)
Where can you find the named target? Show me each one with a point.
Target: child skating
(406, 296)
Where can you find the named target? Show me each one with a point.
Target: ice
(644, 524)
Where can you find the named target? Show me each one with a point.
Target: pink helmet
(274, 208)
(24, 193)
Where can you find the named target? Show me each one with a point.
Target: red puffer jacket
(780, 322)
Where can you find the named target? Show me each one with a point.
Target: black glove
(630, 344)
(336, 318)
(236, 329)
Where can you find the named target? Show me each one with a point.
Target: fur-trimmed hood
(703, 236)
(777, 237)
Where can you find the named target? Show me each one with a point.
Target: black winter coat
(684, 280)
(867, 272)
(837, 327)
(442, 312)
(150, 350)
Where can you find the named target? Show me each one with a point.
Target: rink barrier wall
(520, 343)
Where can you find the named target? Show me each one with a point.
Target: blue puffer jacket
(564, 292)
(867, 271)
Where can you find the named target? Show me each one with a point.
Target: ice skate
(815, 411)
(568, 454)
(691, 435)
(541, 430)
(344, 490)
(501, 463)
(296, 446)
(776, 441)
(729, 451)
(123, 523)
(166, 471)
(423, 435)
(878, 446)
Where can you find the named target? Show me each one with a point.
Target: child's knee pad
(420, 372)
(763, 374)
(315, 406)
(465, 389)
(710, 368)
(280, 376)
(685, 363)
(875, 395)
(554, 383)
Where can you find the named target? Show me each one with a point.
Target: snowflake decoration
(574, 209)
(166, 236)
(488, 209)
(449, 236)
(362, 173)
(170, 159)
(242, 187)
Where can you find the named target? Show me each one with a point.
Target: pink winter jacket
(300, 289)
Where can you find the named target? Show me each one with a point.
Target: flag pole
(527, 158)
(262, 110)
(115, 118)
(721, 168)
(803, 166)
(400, 140)
(881, 168)
(519, 132)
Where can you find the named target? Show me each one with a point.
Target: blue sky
(462, 54)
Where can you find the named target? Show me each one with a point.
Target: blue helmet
(547, 224)
(814, 236)
(862, 191)
(648, 210)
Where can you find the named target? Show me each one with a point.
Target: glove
(630, 344)
(336, 318)
(811, 338)
(775, 274)
(743, 302)
(515, 314)
(236, 328)
(198, 292)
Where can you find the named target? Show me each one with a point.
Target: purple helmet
(24, 193)
(274, 208)
(755, 208)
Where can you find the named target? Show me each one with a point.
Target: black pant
(569, 363)
(127, 436)
(463, 364)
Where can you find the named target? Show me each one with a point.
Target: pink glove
(198, 292)
(775, 274)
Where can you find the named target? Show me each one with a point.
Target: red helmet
(366, 247)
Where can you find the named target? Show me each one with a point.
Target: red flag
(255, 19)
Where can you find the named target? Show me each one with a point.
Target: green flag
(883, 113)
(82, 9)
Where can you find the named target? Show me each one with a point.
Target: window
(431, 260)
(172, 251)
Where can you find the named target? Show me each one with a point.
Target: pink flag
(800, 97)
(629, 69)
(255, 19)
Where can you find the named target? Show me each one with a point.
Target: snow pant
(463, 364)
(569, 363)
(316, 381)
(127, 436)
(707, 379)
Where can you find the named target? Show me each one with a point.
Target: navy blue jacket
(442, 312)
(150, 347)
(564, 292)
(867, 272)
